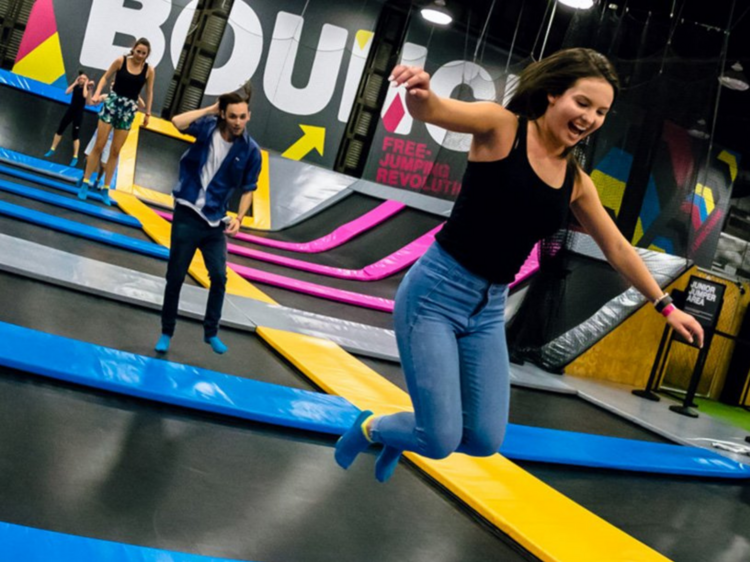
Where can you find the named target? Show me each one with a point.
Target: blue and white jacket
(239, 170)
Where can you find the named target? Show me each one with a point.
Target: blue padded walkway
(84, 231)
(205, 390)
(70, 204)
(25, 544)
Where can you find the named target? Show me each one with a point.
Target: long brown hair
(142, 41)
(554, 75)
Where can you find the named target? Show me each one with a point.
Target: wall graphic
(305, 58)
(40, 55)
(424, 158)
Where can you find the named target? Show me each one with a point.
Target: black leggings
(71, 116)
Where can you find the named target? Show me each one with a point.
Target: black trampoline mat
(95, 465)
(98, 320)
(29, 122)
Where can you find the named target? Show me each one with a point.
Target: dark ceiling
(697, 46)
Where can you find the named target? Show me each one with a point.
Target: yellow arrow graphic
(313, 139)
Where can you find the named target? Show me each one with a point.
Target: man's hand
(233, 227)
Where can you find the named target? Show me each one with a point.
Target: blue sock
(353, 442)
(49, 153)
(386, 463)
(162, 346)
(216, 344)
(73, 162)
(83, 190)
(105, 196)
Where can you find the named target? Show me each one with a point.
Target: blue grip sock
(105, 196)
(83, 190)
(73, 162)
(216, 344)
(162, 346)
(49, 153)
(386, 463)
(353, 442)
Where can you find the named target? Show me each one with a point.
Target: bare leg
(118, 140)
(102, 132)
(55, 141)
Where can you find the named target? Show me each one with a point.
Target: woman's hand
(413, 78)
(686, 326)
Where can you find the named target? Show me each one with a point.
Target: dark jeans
(190, 232)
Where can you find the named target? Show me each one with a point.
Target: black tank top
(503, 209)
(129, 85)
(78, 100)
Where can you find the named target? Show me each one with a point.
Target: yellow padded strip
(545, 522)
(159, 229)
(126, 163)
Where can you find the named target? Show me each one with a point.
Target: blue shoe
(386, 463)
(49, 153)
(105, 197)
(216, 344)
(353, 442)
(83, 190)
(73, 162)
(162, 346)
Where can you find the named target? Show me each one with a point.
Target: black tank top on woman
(78, 100)
(503, 209)
(129, 85)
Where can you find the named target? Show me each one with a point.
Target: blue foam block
(84, 231)
(38, 88)
(67, 203)
(36, 545)
(163, 381)
(58, 171)
(597, 451)
(40, 180)
(205, 390)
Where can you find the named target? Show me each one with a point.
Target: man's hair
(243, 95)
(80, 72)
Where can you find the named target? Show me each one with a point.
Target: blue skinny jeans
(190, 232)
(450, 328)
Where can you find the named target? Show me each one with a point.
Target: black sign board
(703, 300)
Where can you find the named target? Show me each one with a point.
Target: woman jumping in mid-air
(520, 180)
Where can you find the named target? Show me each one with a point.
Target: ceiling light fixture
(437, 13)
(734, 78)
(578, 4)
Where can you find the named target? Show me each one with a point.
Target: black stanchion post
(703, 299)
(661, 356)
(686, 408)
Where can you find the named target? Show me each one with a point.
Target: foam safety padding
(37, 545)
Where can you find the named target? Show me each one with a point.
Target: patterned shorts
(118, 111)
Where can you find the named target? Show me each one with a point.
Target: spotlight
(734, 78)
(578, 4)
(699, 130)
(437, 13)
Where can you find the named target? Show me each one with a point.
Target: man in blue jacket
(223, 158)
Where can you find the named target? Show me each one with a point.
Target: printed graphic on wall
(39, 54)
(424, 158)
(305, 58)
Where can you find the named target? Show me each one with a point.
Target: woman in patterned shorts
(130, 74)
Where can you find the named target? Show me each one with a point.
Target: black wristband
(663, 303)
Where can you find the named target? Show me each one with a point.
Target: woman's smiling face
(580, 110)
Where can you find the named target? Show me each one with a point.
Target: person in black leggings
(82, 88)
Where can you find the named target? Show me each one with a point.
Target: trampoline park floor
(129, 470)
